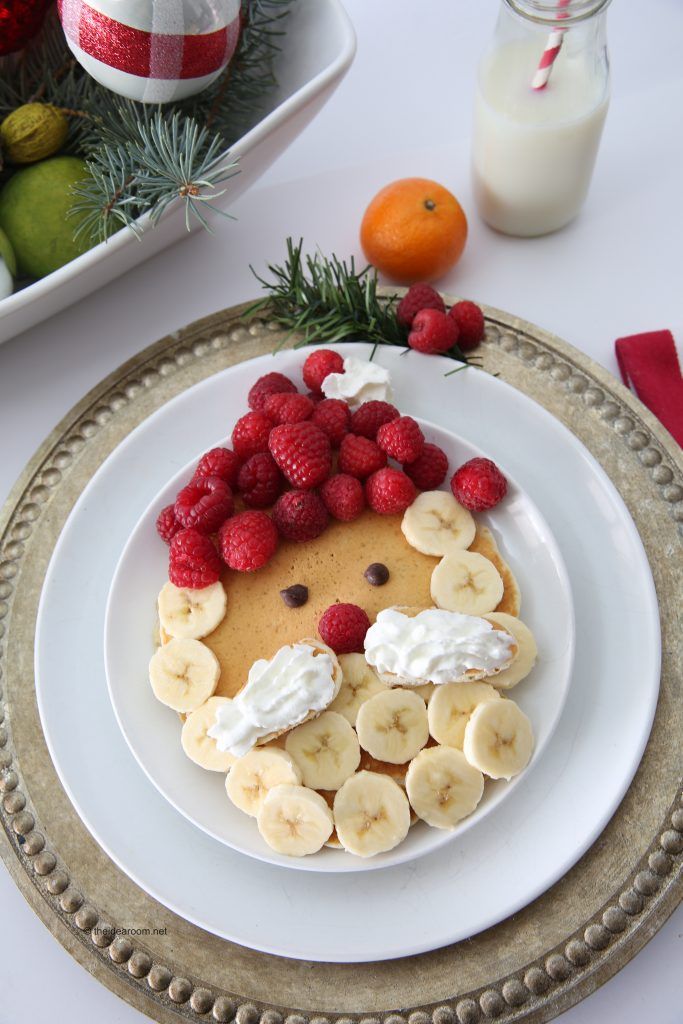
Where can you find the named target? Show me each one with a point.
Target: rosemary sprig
(326, 299)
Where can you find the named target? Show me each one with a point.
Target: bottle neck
(557, 13)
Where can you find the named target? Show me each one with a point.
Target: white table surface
(403, 109)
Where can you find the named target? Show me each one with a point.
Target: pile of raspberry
(434, 330)
(296, 461)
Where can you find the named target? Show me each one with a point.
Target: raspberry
(193, 560)
(318, 365)
(167, 524)
(250, 434)
(204, 504)
(302, 451)
(220, 462)
(429, 470)
(315, 396)
(287, 408)
(370, 416)
(248, 541)
(358, 456)
(479, 485)
(260, 481)
(343, 497)
(433, 331)
(343, 628)
(269, 384)
(418, 296)
(333, 416)
(401, 439)
(389, 491)
(470, 321)
(300, 515)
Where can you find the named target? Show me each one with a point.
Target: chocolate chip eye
(295, 596)
(377, 574)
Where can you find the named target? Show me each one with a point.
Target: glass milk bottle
(542, 97)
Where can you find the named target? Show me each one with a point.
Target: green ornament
(33, 213)
(33, 132)
(7, 253)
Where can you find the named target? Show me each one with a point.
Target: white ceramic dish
(153, 731)
(317, 50)
(512, 856)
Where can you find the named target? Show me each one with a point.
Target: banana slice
(325, 750)
(294, 820)
(252, 776)
(360, 682)
(426, 691)
(371, 813)
(393, 726)
(199, 747)
(526, 650)
(436, 524)
(184, 674)
(466, 582)
(498, 739)
(191, 614)
(442, 787)
(450, 708)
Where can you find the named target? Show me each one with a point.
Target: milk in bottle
(534, 150)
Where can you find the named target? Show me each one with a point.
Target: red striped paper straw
(552, 48)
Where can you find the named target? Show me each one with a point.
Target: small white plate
(493, 870)
(153, 731)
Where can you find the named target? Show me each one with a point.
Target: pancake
(257, 622)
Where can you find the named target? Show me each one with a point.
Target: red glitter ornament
(154, 51)
(20, 21)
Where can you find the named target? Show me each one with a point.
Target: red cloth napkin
(649, 366)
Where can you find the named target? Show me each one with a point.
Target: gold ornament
(32, 132)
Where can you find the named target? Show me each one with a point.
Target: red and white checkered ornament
(152, 50)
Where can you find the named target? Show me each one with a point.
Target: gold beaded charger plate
(531, 966)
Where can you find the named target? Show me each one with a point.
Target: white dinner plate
(514, 854)
(153, 731)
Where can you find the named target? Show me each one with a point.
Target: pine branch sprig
(181, 160)
(325, 299)
(104, 202)
(146, 164)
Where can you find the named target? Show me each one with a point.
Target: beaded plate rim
(559, 978)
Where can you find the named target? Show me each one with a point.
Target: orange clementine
(413, 230)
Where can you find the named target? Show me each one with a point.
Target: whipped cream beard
(278, 695)
(435, 646)
(361, 381)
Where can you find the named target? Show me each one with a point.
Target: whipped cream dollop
(279, 694)
(436, 646)
(361, 381)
